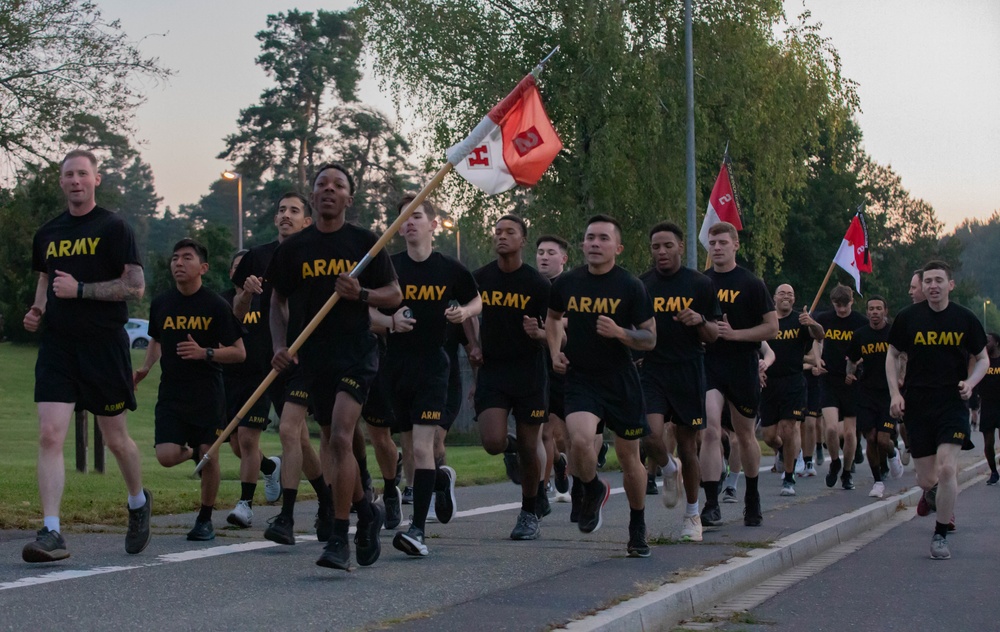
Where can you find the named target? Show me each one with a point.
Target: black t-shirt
(989, 387)
(304, 270)
(871, 345)
(744, 300)
(256, 334)
(937, 344)
(428, 286)
(93, 248)
(792, 342)
(258, 340)
(686, 288)
(507, 298)
(837, 339)
(582, 297)
(204, 316)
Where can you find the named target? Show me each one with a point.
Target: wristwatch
(209, 354)
(363, 295)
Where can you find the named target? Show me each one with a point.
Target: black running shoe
(651, 488)
(591, 508)
(48, 546)
(324, 522)
(393, 510)
(831, 475)
(366, 538)
(711, 516)
(526, 528)
(752, 516)
(512, 461)
(576, 501)
(994, 478)
(336, 554)
(279, 529)
(203, 531)
(602, 456)
(444, 498)
(411, 542)
(847, 481)
(138, 535)
(408, 495)
(542, 506)
(859, 455)
(637, 546)
(561, 478)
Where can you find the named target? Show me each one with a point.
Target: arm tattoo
(127, 288)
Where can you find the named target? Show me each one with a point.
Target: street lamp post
(232, 175)
(450, 225)
(985, 303)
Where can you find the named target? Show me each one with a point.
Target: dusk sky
(929, 75)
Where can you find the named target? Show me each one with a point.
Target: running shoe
(241, 516)
(778, 466)
(324, 522)
(905, 457)
(592, 508)
(729, 495)
(410, 542)
(408, 495)
(279, 529)
(810, 470)
(672, 485)
(651, 488)
(859, 454)
(819, 455)
(444, 498)
(711, 516)
(847, 481)
(393, 509)
(787, 488)
(602, 456)
(939, 548)
(895, 466)
(48, 546)
(366, 538)
(399, 467)
(691, 531)
(752, 516)
(994, 478)
(878, 490)
(542, 506)
(203, 531)
(526, 528)
(512, 462)
(831, 475)
(637, 545)
(336, 554)
(561, 478)
(272, 481)
(138, 535)
(800, 464)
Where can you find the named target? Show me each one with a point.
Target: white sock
(135, 502)
(670, 468)
(52, 523)
(692, 509)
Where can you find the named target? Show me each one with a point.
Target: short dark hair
(404, 201)
(878, 297)
(306, 207)
(237, 255)
(556, 239)
(601, 217)
(341, 168)
(724, 227)
(667, 227)
(937, 264)
(80, 153)
(517, 220)
(995, 336)
(197, 246)
(841, 295)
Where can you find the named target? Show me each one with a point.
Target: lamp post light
(232, 175)
(451, 225)
(985, 303)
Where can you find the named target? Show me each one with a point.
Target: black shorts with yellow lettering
(783, 398)
(873, 412)
(191, 421)
(416, 387)
(455, 388)
(615, 397)
(377, 411)
(676, 391)
(989, 417)
(239, 389)
(835, 393)
(813, 408)
(519, 386)
(349, 365)
(735, 376)
(934, 417)
(94, 373)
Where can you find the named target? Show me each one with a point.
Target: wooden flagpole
(822, 287)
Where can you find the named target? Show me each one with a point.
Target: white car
(138, 333)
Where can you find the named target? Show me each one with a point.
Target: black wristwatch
(209, 354)
(363, 295)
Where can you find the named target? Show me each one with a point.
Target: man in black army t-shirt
(838, 395)
(609, 314)
(88, 266)
(193, 330)
(340, 359)
(513, 375)
(989, 413)
(673, 373)
(938, 337)
(731, 367)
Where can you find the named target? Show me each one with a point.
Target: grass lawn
(94, 498)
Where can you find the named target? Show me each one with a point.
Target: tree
(59, 58)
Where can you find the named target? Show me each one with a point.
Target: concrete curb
(670, 604)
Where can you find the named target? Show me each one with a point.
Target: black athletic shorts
(239, 388)
(989, 417)
(873, 413)
(615, 397)
(416, 388)
(453, 406)
(189, 422)
(518, 386)
(834, 393)
(676, 391)
(783, 398)
(349, 367)
(94, 373)
(735, 376)
(935, 417)
(174, 429)
(557, 394)
(377, 411)
(813, 409)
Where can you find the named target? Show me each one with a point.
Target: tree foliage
(59, 58)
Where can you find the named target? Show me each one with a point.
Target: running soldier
(732, 369)
(989, 417)
(610, 314)
(340, 359)
(88, 267)
(193, 331)
(938, 336)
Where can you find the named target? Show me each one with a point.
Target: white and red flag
(853, 256)
(514, 144)
(721, 206)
